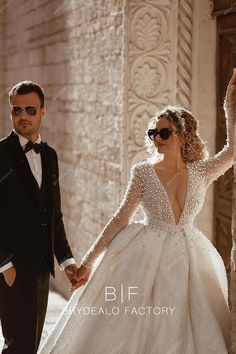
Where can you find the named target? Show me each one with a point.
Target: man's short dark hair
(24, 87)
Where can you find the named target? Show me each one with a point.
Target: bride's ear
(182, 142)
(180, 139)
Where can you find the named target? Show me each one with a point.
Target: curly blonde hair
(193, 148)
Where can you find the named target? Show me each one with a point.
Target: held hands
(83, 274)
(10, 275)
(77, 275)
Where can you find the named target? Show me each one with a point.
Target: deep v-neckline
(167, 196)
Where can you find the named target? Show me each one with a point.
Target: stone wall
(203, 93)
(2, 65)
(74, 50)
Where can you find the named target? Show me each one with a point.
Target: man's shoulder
(3, 142)
(5, 139)
(8, 139)
(51, 150)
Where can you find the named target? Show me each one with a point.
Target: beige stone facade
(106, 67)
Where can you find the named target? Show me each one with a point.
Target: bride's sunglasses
(30, 110)
(164, 133)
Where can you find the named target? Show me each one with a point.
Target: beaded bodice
(155, 201)
(146, 190)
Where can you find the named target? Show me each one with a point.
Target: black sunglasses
(164, 133)
(30, 110)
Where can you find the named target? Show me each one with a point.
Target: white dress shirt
(35, 163)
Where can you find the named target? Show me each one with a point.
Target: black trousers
(22, 312)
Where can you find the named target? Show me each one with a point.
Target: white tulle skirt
(152, 292)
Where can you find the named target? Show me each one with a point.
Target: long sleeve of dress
(218, 164)
(120, 219)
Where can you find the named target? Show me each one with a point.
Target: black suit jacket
(20, 217)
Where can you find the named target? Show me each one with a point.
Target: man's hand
(71, 273)
(83, 274)
(10, 275)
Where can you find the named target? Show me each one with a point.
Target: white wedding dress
(179, 303)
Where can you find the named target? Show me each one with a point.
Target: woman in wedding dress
(160, 286)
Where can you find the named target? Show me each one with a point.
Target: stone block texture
(74, 49)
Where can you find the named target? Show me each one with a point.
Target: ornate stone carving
(184, 53)
(154, 77)
(148, 48)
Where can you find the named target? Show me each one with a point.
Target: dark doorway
(225, 12)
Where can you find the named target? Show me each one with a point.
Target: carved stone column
(158, 65)
(184, 53)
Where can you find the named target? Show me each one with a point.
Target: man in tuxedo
(31, 223)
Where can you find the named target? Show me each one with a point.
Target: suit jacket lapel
(47, 174)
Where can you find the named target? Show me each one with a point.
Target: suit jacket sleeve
(61, 247)
(6, 254)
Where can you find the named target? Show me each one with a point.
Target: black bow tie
(36, 147)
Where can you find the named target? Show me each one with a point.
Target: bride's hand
(83, 274)
(230, 92)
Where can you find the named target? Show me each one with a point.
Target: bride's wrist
(229, 104)
(87, 265)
